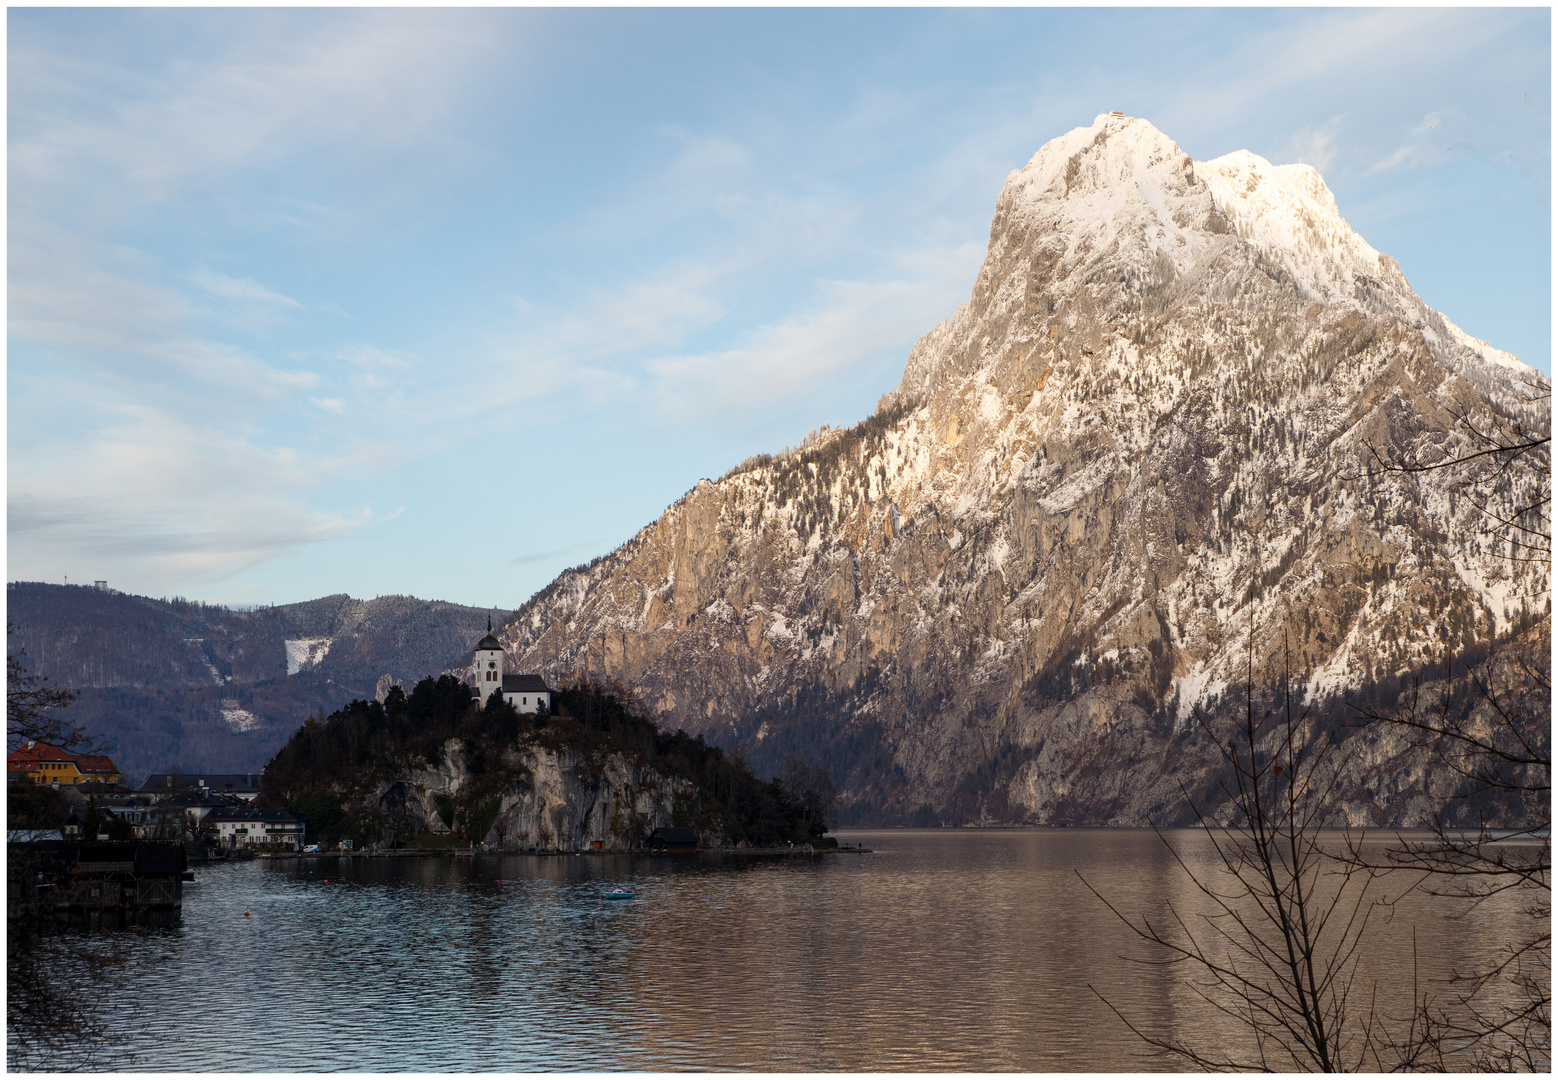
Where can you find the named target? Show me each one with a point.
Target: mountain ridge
(172, 682)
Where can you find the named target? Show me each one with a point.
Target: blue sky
(443, 302)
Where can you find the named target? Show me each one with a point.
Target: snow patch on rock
(237, 717)
(304, 653)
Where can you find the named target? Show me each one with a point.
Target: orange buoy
(246, 914)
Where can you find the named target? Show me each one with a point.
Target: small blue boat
(618, 894)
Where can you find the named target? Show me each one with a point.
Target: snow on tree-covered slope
(1288, 213)
(1138, 461)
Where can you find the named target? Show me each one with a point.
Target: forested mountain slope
(170, 682)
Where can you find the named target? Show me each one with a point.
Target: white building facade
(527, 693)
(248, 826)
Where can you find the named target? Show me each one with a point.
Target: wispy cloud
(1405, 155)
(105, 306)
(1316, 144)
(239, 288)
(636, 338)
(160, 499)
(1308, 51)
(359, 83)
(373, 369)
(549, 556)
(844, 331)
(1437, 137)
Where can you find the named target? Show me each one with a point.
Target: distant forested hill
(172, 682)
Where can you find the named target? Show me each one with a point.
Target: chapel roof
(525, 684)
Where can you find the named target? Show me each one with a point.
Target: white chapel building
(527, 693)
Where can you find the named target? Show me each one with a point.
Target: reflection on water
(943, 950)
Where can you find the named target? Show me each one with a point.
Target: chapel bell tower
(489, 665)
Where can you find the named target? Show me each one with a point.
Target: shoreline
(469, 853)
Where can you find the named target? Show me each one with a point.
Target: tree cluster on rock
(347, 775)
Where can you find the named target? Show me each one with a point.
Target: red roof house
(45, 764)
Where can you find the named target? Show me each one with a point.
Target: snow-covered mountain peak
(1118, 177)
(1122, 176)
(1290, 215)
(1114, 152)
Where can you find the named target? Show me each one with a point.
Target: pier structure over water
(74, 876)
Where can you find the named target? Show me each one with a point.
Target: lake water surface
(941, 950)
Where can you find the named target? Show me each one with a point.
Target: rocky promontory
(431, 769)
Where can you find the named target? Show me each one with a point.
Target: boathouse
(101, 876)
(673, 841)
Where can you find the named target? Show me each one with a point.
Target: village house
(195, 803)
(45, 764)
(152, 819)
(527, 693)
(245, 786)
(253, 826)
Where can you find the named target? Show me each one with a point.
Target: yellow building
(45, 764)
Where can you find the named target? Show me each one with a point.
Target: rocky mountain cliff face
(1138, 467)
(556, 800)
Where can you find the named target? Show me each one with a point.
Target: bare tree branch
(1278, 946)
(1490, 727)
(31, 702)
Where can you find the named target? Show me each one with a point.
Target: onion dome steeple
(488, 642)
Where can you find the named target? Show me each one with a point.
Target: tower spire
(489, 624)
